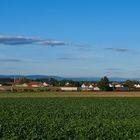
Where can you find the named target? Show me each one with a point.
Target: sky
(73, 38)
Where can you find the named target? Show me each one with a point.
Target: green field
(69, 118)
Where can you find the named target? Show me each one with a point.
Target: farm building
(22, 85)
(122, 89)
(35, 84)
(69, 88)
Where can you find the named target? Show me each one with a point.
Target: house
(91, 87)
(25, 85)
(137, 86)
(67, 84)
(46, 84)
(96, 89)
(111, 85)
(35, 84)
(21, 85)
(84, 87)
(119, 86)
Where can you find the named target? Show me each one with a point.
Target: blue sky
(70, 37)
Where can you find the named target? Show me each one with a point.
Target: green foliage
(103, 84)
(36, 89)
(130, 83)
(6, 80)
(21, 80)
(70, 118)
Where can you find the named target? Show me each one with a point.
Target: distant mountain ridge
(68, 78)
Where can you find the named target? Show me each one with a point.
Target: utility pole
(13, 84)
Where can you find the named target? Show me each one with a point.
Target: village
(26, 85)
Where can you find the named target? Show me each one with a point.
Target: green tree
(21, 80)
(103, 84)
(130, 83)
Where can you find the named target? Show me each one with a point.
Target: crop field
(70, 118)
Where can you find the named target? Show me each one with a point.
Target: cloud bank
(20, 40)
(68, 58)
(112, 69)
(118, 49)
(10, 60)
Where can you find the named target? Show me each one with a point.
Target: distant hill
(31, 76)
(67, 78)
